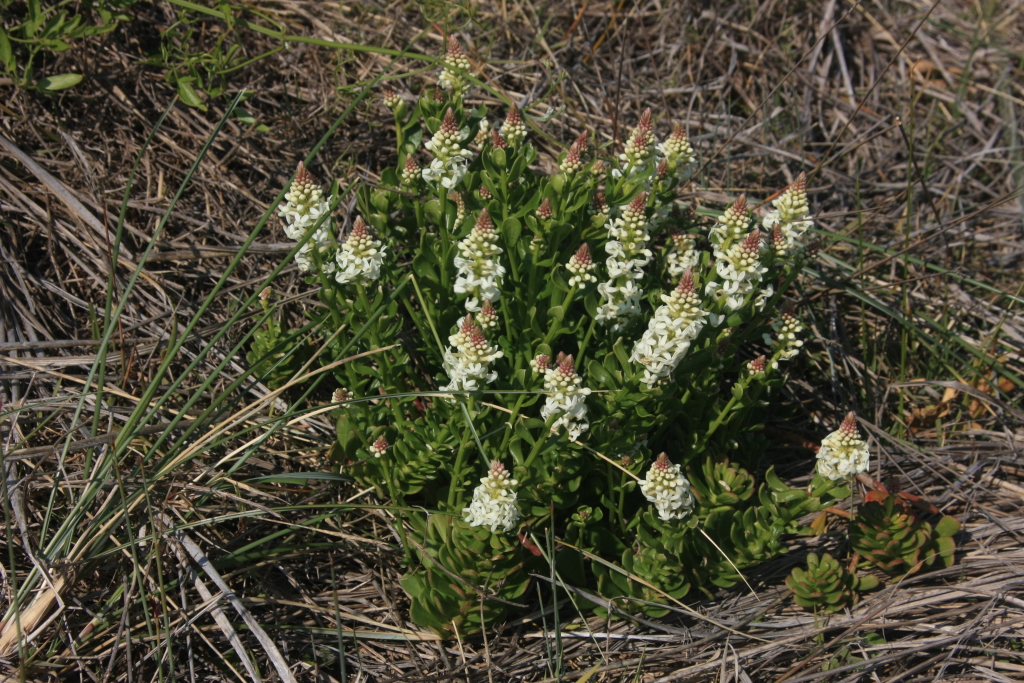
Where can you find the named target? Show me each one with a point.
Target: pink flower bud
(497, 141)
(639, 203)
(686, 285)
(544, 210)
(449, 125)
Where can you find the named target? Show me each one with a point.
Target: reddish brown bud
(454, 49)
(582, 141)
(484, 222)
(645, 121)
(663, 168)
(686, 285)
(450, 125)
(438, 95)
(565, 364)
(639, 203)
(485, 193)
(497, 141)
(677, 131)
(778, 239)
(849, 426)
(752, 242)
(360, 229)
(583, 254)
(800, 184)
(626, 461)
(740, 205)
(662, 463)
(544, 210)
(513, 118)
(303, 176)
(599, 201)
(758, 364)
(411, 166)
(468, 326)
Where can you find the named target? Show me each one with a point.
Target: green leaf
(512, 229)
(245, 117)
(60, 82)
(6, 54)
(300, 478)
(947, 526)
(498, 158)
(189, 95)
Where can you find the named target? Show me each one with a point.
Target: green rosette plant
(887, 533)
(826, 585)
(512, 347)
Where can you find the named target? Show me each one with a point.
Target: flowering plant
(578, 354)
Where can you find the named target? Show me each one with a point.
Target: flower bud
(379, 447)
(391, 99)
(544, 210)
(581, 266)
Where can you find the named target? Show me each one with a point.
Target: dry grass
(907, 117)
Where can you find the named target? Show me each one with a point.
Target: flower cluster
(573, 161)
(361, 256)
(786, 344)
(479, 272)
(682, 255)
(581, 266)
(674, 326)
(341, 395)
(391, 99)
(541, 363)
(741, 271)
(677, 149)
(487, 318)
(567, 397)
(304, 206)
(668, 489)
(494, 501)
(627, 256)
(449, 164)
(379, 447)
(454, 59)
(640, 145)
(469, 365)
(843, 454)
(791, 216)
(513, 130)
(410, 172)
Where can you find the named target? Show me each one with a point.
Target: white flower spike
(843, 454)
(494, 501)
(668, 489)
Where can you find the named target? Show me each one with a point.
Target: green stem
(535, 451)
(455, 492)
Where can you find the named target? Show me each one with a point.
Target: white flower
(468, 366)
(479, 272)
(628, 255)
(494, 501)
(668, 489)
(843, 454)
(450, 159)
(304, 207)
(791, 217)
(786, 345)
(640, 145)
(740, 269)
(361, 256)
(683, 255)
(676, 149)
(669, 334)
(454, 58)
(566, 398)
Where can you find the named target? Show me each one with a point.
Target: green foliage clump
(826, 585)
(508, 379)
(888, 534)
(28, 38)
